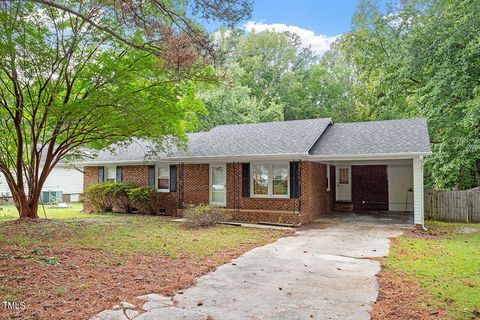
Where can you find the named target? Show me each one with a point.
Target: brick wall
(196, 189)
(165, 203)
(249, 202)
(135, 174)
(314, 197)
(90, 176)
(314, 191)
(370, 185)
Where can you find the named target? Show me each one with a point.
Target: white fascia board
(260, 157)
(373, 156)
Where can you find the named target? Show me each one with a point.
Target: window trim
(157, 176)
(270, 180)
(106, 170)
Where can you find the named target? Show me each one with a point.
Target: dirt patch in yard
(81, 282)
(401, 298)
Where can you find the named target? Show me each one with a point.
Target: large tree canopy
(423, 59)
(271, 76)
(417, 58)
(88, 73)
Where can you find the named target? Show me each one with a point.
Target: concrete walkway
(320, 273)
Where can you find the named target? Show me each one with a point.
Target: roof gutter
(370, 156)
(262, 157)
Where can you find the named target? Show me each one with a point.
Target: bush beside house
(124, 197)
(204, 215)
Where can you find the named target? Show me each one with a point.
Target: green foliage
(124, 197)
(446, 264)
(119, 195)
(414, 59)
(50, 261)
(201, 216)
(52, 213)
(422, 59)
(65, 84)
(143, 198)
(269, 76)
(97, 198)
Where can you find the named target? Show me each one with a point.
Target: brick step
(343, 206)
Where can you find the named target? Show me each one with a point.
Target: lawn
(445, 262)
(9, 212)
(74, 265)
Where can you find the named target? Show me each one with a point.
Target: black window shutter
(246, 179)
(173, 178)
(294, 185)
(151, 175)
(101, 176)
(119, 174)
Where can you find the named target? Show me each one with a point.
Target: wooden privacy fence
(452, 205)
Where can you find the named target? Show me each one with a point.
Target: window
(270, 180)
(111, 174)
(280, 180)
(343, 176)
(163, 177)
(260, 179)
(51, 197)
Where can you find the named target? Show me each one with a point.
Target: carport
(375, 168)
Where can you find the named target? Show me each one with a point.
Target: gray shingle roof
(283, 138)
(374, 137)
(270, 138)
(137, 150)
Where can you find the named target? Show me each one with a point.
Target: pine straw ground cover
(432, 275)
(74, 268)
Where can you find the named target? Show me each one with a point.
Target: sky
(325, 17)
(317, 22)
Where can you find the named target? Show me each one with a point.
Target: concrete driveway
(323, 272)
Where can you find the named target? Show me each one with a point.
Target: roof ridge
(386, 120)
(266, 122)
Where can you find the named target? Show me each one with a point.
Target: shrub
(118, 195)
(96, 198)
(103, 197)
(205, 216)
(142, 199)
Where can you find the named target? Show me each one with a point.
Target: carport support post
(418, 196)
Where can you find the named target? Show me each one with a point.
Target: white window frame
(157, 176)
(270, 180)
(106, 170)
(328, 177)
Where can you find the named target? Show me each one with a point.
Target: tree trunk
(26, 209)
(29, 213)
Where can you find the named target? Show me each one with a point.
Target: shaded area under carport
(381, 218)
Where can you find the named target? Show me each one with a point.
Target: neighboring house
(64, 184)
(282, 172)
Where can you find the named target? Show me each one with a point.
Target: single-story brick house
(281, 172)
